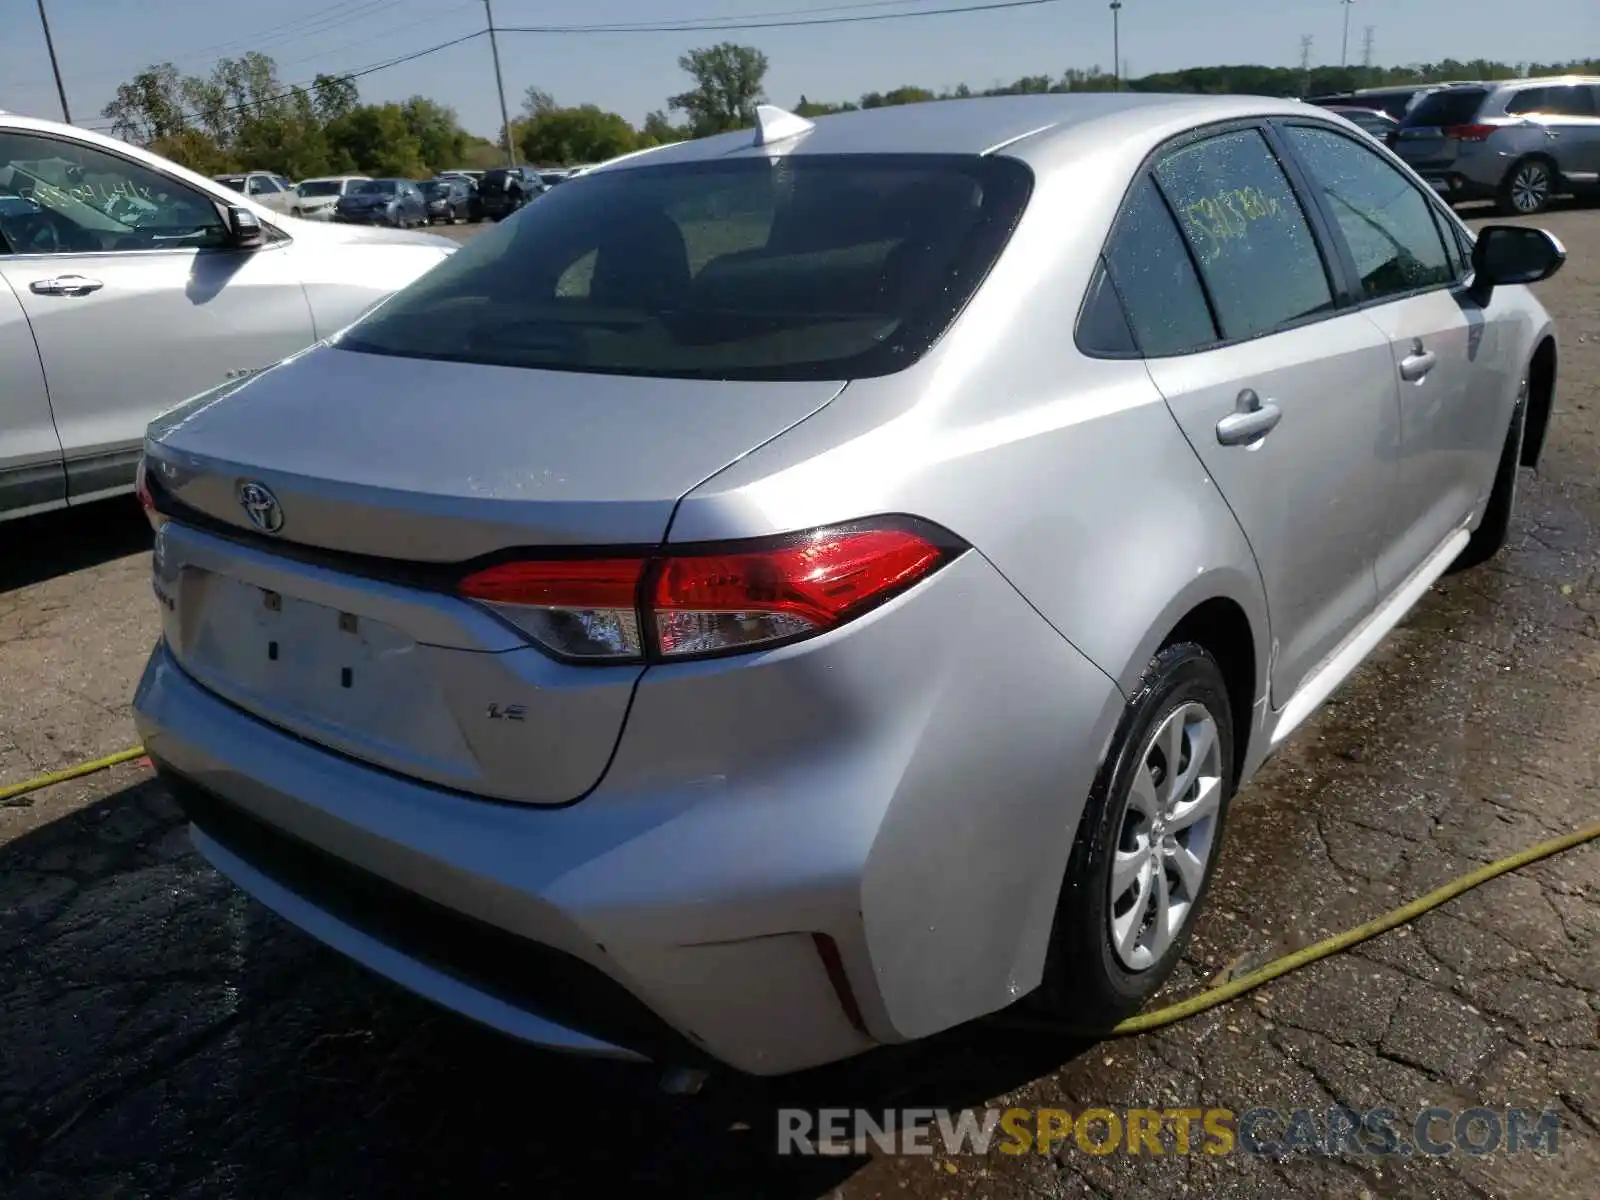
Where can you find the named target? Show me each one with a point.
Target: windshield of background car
(319, 187)
(438, 187)
(375, 187)
(1458, 106)
(809, 267)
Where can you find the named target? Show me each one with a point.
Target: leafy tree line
(241, 116)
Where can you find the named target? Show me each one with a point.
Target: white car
(271, 191)
(315, 199)
(128, 284)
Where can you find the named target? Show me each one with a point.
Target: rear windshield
(236, 182)
(807, 267)
(369, 187)
(319, 187)
(1456, 106)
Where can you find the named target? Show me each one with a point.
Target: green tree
(377, 139)
(900, 95)
(149, 106)
(436, 130)
(728, 81)
(658, 130)
(586, 134)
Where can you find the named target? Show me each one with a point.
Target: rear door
(1569, 115)
(1449, 355)
(133, 300)
(1291, 404)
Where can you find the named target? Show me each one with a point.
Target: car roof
(981, 125)
(1546, 81)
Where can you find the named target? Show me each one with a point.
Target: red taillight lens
(732, 598)
(147, 501)
(581, 609)
(713, 603)
(1469, 133)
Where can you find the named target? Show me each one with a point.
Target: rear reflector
(1469, 133)
(717, 601)
(147, 501)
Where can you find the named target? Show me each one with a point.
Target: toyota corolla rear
(438, 683)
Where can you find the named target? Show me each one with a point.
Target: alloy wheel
(1168, 827)
(1530, 187)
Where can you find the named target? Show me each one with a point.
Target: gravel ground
(162, 1036)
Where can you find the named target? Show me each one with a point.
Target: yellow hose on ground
(1172, 1013)
(88, 768)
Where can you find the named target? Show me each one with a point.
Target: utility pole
(1344, 53)
(1366, 47)
(1305, 64)
(1116, 43)
(49, 44)
(499, 83)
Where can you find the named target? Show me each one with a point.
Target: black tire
(1086, 984)
(1489, 538)
(1528, 187)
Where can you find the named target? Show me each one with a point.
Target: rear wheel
(1528, 187)
(1148, 840)
(1490, 536)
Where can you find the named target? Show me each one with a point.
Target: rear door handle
(1416, 365)
(65, 285)
(1251, 420)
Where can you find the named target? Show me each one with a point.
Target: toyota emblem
(261, 506)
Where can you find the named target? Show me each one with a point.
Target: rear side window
(1385, 221)
(1154, 276)
(807, 267)
(1565, 101)
(1257, 255)
(1457, 106)
(1103, 326)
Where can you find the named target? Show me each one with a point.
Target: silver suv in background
(1520, 142)
(128, 283)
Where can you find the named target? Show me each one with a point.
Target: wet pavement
(162, 1036)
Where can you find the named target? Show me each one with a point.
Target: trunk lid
(340, 626)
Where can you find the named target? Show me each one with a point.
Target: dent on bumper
(909, 785)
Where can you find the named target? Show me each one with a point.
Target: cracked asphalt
(162, 1036)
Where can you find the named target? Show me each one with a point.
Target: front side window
(1154, 275)
(808, 267)
(59, 197)
(1257, 255)
(1386, 222)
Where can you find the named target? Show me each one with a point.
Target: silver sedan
(810, 587)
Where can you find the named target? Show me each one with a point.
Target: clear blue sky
(103, 42)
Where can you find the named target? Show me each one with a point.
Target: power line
(699, 25)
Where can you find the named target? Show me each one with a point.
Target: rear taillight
(147, 500)
(1469, 133)
(717, 600)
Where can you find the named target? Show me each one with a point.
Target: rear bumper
(908, 787)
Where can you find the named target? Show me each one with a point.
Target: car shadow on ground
(34, 549)
(164, 1034)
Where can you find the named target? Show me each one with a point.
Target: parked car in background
(128, 284)
(1520, 142)
(761, 647)
(395, 202)
(272, 191)
(1394, 101)
(1373, 121)
(451, 198)
(504, 190)
(315, 199)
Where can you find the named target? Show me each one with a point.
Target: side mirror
(244, 229)
(1507, 254)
